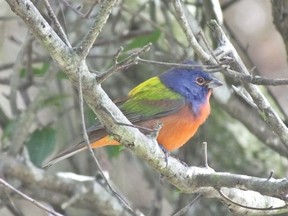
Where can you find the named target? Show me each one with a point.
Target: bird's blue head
(193, 84)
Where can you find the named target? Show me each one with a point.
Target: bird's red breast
(177, 128)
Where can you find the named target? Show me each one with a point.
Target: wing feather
(151, 99)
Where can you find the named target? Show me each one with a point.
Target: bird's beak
(214, 83)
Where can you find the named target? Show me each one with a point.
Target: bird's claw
(166, 153)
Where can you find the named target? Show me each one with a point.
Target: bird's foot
(182, 162)
(166, 153)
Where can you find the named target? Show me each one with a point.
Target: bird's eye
(200, 80)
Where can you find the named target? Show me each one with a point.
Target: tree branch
(189, 35)
(187, 179)
(130, 60)
(265, 110)
(236, 76)
(6, 184)
(229, 101)
(100, 20)
(56, 23)
(94, 196)
(256, 80)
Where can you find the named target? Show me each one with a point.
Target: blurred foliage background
(39, 109)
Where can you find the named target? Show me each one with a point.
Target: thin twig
(83, 16)
(127, 62)
(41, 206)
(248, 59)
(100, 20)
(23, 126)
(270, 175)
(265, 110)
(189, 34)
(205, 155)
(256, 80)
(66, 3)
(185, 209)
(86, 138)
(9, 65)
(202, 36)
(209, 68)
(153, 24)
(122, 38)
(245, 97)
(55, 21)
(77, 196)
(249, 207)
(15, 78)
(87, 15)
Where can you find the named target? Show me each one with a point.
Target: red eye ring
(200, 81)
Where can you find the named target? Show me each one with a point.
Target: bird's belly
(180, 127)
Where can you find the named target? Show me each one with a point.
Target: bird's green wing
(151, 99)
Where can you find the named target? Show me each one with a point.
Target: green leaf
(143, 40)
(37, 71)
(23, 72)
(90, 116)
(55, 100)
(8, 129)
(114, 151)
(41, 71)
(41, 144)
(61, 75)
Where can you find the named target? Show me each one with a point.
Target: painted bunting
(178, 98)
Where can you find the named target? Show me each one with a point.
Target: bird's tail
(105, 141)
(66, 153)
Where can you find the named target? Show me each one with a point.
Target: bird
(177, 98)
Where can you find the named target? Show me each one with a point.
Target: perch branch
(187, 179)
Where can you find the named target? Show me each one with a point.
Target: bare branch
(127, 62)
(75, 10)
(250, 207)
(256, 80)
(56, 23)
(6, 184)
(208, 68)
(86, 138)
(24, 122)
(42, 31)
(187, 179)
(231, 103)
(100, 20)
(205, 155)
(14, 82)
(248, 115)
(187, 30)
(188, 206)
(265, 110)
(94, 196)
(236, 76)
